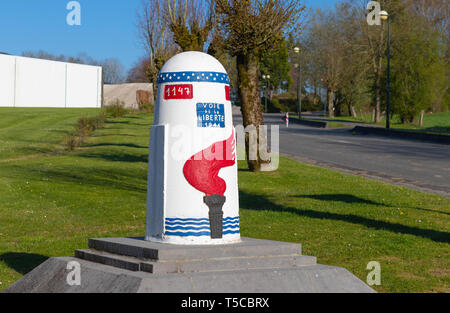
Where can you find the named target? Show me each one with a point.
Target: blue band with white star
(209, 77)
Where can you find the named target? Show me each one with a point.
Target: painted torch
(192, 193)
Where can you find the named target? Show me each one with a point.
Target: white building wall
(28, 82)
(7, 80)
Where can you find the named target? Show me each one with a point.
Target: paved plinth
(134, 265)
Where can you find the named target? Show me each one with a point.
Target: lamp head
(384, 15)
(297, 50)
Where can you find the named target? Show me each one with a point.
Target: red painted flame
(202, 169)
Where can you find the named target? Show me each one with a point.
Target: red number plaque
(227, 93)
(178, 92)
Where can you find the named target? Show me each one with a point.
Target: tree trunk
(251, 111)
(330, 102)
(353, 111)
(337, 107)
(377, 115)
(378, 71)
(422, 113)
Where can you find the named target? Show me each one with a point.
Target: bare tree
(436, 12)
(191, 22)
(113, 71)
(251, 28)
(375, 44)
(138, 73)
(155, 36)
(325, 43)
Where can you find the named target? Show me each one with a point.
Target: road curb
(372, 175)
(443, 139)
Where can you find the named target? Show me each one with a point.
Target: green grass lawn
(27, 133)
(434, 123)
(52, 201)
(335, 125)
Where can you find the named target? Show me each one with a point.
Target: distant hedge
(277, 105)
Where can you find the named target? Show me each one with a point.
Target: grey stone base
(131, 265)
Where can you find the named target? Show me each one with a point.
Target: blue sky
(108, 28)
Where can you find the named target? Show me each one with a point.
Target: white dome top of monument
(193, 61)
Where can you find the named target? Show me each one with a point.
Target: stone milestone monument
(192, 241)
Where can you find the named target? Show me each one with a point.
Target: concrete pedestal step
(142, 249)
(52, 277)
(135, 265)
(195, 265)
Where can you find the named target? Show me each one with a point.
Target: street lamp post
(266, 78)
(299, 87)
(385, 16)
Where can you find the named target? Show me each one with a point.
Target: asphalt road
(411, 163)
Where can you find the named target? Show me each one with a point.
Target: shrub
(101, 119)
(72, 142)
(84, 126)
(146, 107)
(97, 122)
(116, 108)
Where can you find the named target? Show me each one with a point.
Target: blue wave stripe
(187, 228)
(169, 228)
(198, 227)
(229, 232)
(181, 234)
(198, 219)
(226, 223)
(170, 219)
(199, 234)
(187, 223)
(198, 224)
(184, 230)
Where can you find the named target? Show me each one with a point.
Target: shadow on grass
(111, 135)
(439, 129)
(117, 122)
(117, 157)
(260, 202)
(351, 199)
(340, 197)
(129, 145)
(122, 179)
(22, 263)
